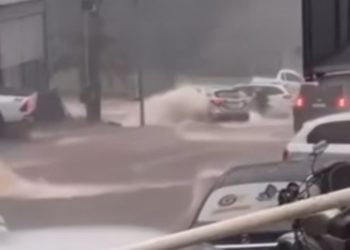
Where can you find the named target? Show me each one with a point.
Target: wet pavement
(73, 174)
(160, 177)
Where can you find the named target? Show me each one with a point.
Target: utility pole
(91, 90)
(139, 51)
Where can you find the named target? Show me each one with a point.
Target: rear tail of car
(317, 100)
(29, 104)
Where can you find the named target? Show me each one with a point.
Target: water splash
(185, 103)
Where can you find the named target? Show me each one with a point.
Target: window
(22, 52)
(334, 133)
(230, 93)
(291, 78)
(269, 90)
(11, 77)
(248, 90)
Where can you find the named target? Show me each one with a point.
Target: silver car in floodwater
(229, 104)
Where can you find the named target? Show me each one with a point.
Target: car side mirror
(319, 148)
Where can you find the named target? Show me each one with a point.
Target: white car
(16, 109)
(334, 129)
(279, 101)
(288, 78)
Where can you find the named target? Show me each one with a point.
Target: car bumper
(222, 114)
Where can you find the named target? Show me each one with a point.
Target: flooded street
(154, 177)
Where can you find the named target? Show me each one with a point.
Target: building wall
(22, 53)
(183, 37)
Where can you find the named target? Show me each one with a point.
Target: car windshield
(118, 118)
(268, 90)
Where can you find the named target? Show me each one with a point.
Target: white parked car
(288, 78)
(334, 129)
(279, 101)
(16, 109)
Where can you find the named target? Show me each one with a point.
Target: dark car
(317, 100)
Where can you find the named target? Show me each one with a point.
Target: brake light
(300, 102)
(29, 105)
(285, 155)
(342, 102)
(218, 101)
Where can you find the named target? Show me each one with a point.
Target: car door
(292, 82)
(279, 100)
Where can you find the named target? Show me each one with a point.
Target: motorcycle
(329, 230)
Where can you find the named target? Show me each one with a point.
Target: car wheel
(21, 130)
(24, 130)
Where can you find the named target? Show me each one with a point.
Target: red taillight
(29, 105)
(300, 102)
(285, 155)
(342, 102)
(218, 101)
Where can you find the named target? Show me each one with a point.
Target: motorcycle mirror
(319, 148)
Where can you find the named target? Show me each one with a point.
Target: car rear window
(228, 94)
(248, 90)
(333, 133)
(291, 78)
(271, 90)
(267, 90)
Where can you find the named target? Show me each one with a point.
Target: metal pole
(141, 96)
(92, 87)
(87, 48)
(246, 223)
(46, 49)
(140, 80)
